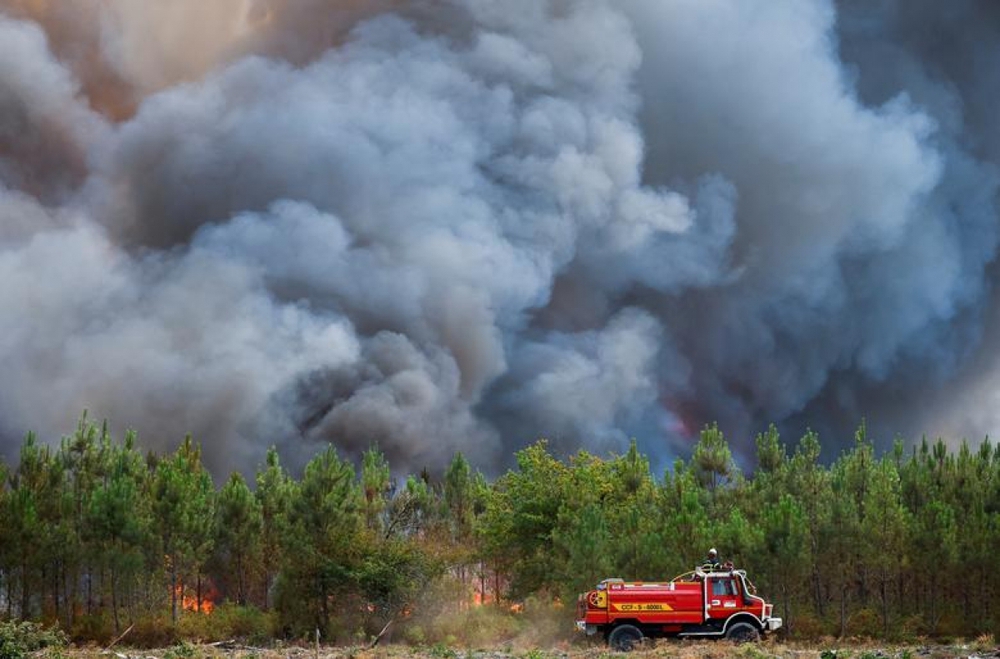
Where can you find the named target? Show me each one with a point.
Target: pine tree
(684, 513)
(586, 540)
(521, 516)
(118, 522)
(712, 460)
(935, 547)
(785, 559)
(238, 525)
(458, 497)
(884, 530)
(810, 484)
(323, 546)
(274, 495)
(376, 485)
(6, 553)
(183, 507)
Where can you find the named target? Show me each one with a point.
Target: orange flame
(479, 599)
(189, 599)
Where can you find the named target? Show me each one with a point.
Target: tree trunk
(324, 608)
(933, 607)
(987, 604)
(843, 610)
(817, 593)
(899, 591)
(885, 606)
(130, 600)
(72, 594)
(240, 597)
(114, 601)
(90, 590)
(24, 589)
(785, 611)
(56, 572)
(10, 595)
(173, 592)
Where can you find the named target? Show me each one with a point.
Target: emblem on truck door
(598, 599)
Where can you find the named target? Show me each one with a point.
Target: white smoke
(463, 225)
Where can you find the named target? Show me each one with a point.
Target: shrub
(152, 632)
(94, 627)
(953, 625)
(441, 651)
(985, 642)
(18, 639)
(228, 621)
(414, 634)
(865, 623)
(806, 626)
(180, 651)
(247, 623)
(484, 625)
(912, 628)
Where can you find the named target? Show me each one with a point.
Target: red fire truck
(709, 603)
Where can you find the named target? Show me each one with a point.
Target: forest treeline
(98, 536)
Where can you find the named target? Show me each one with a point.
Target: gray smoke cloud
(463, 225)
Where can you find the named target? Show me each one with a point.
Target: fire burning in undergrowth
(190, 600)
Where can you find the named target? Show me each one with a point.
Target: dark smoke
(461, 225)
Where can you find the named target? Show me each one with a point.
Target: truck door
(723, 597)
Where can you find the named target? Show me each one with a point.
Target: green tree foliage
(238, 526)
(784, 554)
(375, 485)
(118, 525)
(97, 536)
(586, 540)
(323, 543)
(183, 510)
(458, 497)
(274, 496)
(884, 528)
(521, 517)
(712, 460)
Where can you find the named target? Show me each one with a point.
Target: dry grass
(982, 647)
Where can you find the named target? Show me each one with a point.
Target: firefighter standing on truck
(712, 561)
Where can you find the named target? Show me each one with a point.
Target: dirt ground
(659, 650)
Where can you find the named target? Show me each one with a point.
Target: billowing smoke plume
(463, 224)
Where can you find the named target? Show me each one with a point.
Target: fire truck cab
(712, 603)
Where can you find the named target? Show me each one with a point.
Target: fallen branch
(378, 637)
(120, 637)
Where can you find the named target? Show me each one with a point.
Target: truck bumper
(772, 624)
(582, 626)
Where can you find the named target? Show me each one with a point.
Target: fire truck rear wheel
(742, 632)
(624, 638)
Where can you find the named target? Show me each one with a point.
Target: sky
(463, 225)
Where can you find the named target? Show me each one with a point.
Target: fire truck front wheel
(742, 632)
(624, 638)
